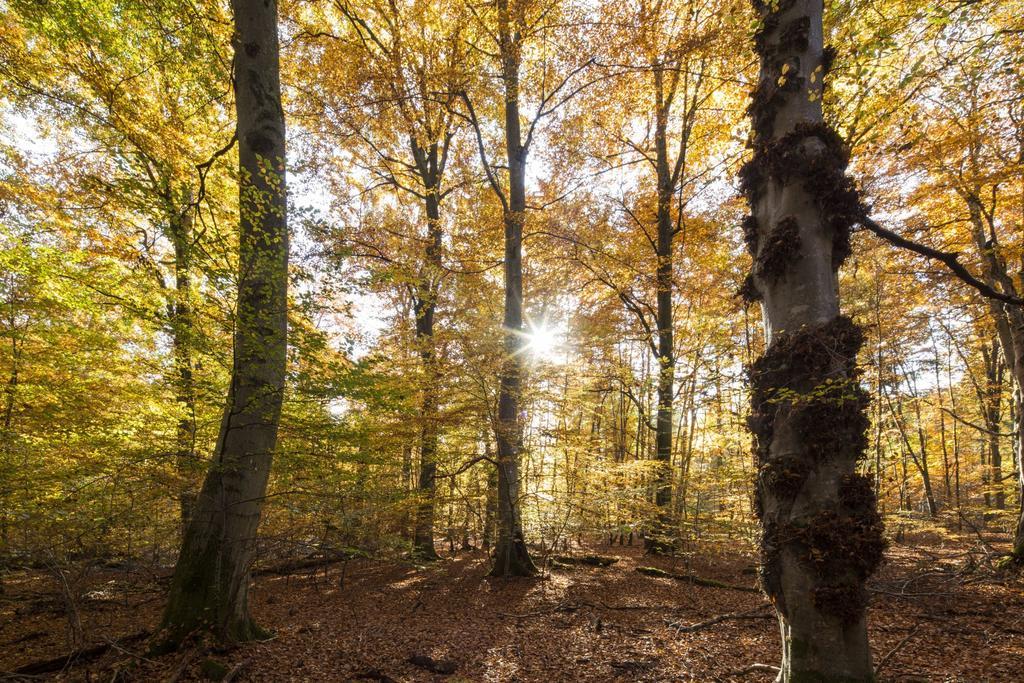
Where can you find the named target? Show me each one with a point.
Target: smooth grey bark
(209, 590)
(821, 533)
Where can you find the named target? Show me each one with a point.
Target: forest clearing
(512, 340)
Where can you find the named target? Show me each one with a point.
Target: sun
(543, 341)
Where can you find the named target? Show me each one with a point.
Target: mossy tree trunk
(209, 590)
(821, 533)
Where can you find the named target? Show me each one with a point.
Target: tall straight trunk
(210, 587)
(942, 425)
(992, 410)
(821, 533)
(511, 556)
(425, 307)
(180, 314)
(662, 537)
(922, 464)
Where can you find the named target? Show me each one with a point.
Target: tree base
(513, 559)
(425, 553)
(170, 639)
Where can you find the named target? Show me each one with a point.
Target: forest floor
(934, 616)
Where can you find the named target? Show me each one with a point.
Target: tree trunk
(180, 314)
(662, 536)
(491, 504)
(511, 557)
(209, 590)
(992, 476)
(1009, 321)
(821, 533)
(425, 306)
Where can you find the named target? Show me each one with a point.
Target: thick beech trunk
(426, 304)
(209, 590)
(511, 556)
(821, 533)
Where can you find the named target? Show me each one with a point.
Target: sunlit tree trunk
(821, 533)
(209, 590)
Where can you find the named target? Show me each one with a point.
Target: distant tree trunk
(511, 556)
(947, 482)
(180, 317)
(922, 463)
(210, 587)
(992, 476)
(821, 533)
(426, 304)
(491, 503)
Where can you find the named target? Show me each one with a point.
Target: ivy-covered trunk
(511, 556)
(821, 533)
(209, 590)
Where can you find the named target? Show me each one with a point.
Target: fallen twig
(235, 670)
(183, 665)
(697, 580)
(755, 668)
(756, 613)
(885, 660)
(87, 654)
